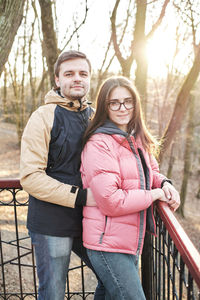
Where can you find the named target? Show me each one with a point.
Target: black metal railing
(171, 261)
(170, 265)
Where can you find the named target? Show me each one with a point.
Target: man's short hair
(71, 54)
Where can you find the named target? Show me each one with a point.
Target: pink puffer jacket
(116, 177)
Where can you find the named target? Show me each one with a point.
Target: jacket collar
(110, 128)
(76, 105)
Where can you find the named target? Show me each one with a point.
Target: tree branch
(181, 105)
(11, 14)
(77, 28)
(114, 33)
(158, 22)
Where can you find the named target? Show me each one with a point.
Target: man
(49, 171)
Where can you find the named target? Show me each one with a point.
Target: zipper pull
(101, 238)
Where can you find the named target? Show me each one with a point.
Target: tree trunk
(180, 105)
(50, 47)
(187, 156)
(140, 56)
(4, 99)
(11, 14)
(138, 45)
(171, 161)
(198, 194)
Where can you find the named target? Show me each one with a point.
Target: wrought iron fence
(170, 265)
(176, 262)
(170, 262)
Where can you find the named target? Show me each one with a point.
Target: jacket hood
(52, 97)
(110, 128)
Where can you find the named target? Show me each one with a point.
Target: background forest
(156, 43)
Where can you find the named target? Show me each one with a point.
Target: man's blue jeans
(118, 273)
(52, 260)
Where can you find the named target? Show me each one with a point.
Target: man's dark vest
(63, 164)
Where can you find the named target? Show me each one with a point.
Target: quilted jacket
(50, 162)
(120, 174)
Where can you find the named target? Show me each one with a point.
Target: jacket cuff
(165, 180)
(81, 197)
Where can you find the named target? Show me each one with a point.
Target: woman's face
(120, 114)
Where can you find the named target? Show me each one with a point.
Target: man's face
(74, 78)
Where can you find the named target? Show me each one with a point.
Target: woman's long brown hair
(136, 123)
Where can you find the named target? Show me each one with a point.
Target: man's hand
(172, 195)
(90, 199)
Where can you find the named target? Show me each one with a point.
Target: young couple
(113, 183)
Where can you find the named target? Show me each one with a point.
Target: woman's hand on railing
(172, 195)
(158, 194)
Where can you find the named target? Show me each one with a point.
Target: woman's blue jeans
(118, 273)
(52, 261)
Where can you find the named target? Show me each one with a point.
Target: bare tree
(50, 47)
(171, 160)
(106, 63)
(5, 96)
(190, 14)
(181, 105)
(187, 155)
(11, 14)
(138, 44)
(77, 27)
(37, 89)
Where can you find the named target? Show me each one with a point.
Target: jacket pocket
(102, 234)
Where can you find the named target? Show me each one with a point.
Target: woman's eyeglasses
(115, 105)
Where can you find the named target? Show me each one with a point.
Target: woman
(119, 168)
